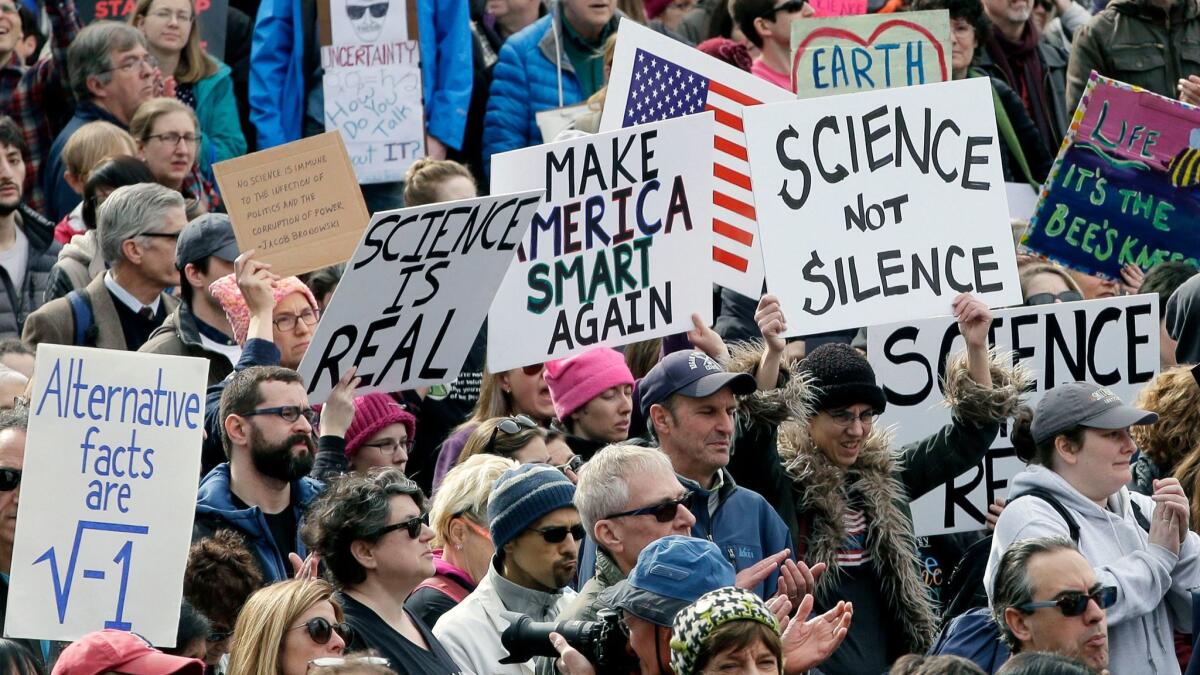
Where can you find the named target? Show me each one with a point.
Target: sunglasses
(1051, 298)
(572, 464)
(219, 636)
(556, 534)
(320, 630)
(789, 6)
(413, 525)
(378, 10)
(10, 479)
(534, 369)
(1075, 603)
(509, 425)
(663, 512)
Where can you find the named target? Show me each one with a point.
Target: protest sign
(212, 16)
(615, 253)
(838, 7)
(298, 204)
(431, 271)
(655, 78)
(864, 203)
(848, 54)
(108, 494)
(1123, 188)
(1112, 342)
(1022, 200)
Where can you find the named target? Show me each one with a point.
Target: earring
(458, 547)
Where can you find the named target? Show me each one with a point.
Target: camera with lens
(602, 642)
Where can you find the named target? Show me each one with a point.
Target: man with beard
(536, 530)
(26, 253)
(264, 488)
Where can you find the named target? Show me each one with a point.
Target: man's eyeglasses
(172, 139)
(390, 446)
(134, 64)
(289, 413)
(556, 534)
(1075, 603)
(321, 630)
(663, 512)
(1051, 298)
(162, 235)
(356, 12)
(572, 464)
(844, 418)
(509, 425)
(9, 479)
(412, 525)
(287, 322)
(791, 6)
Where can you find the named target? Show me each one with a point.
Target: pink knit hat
(373, 412)
(655, 7)
(226, 291)
(575, 380)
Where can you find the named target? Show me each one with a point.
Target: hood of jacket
(1037, 476)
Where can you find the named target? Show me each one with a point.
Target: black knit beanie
(843, 378)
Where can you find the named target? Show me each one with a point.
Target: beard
(8, 207)
(277, 461)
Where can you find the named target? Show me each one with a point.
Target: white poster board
(1111, 342)
(655, 77)
(870, 214)
(108, 494)
(614, 254)
(416, 293)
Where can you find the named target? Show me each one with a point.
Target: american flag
(660, 89)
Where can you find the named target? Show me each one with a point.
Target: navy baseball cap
(1084, 404)
(671, 573)
(693, 374)
(208, 235)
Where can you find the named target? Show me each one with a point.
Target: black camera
(602, 642)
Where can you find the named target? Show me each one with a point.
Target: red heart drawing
(844, 34)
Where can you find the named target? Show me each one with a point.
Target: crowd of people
(724, 500)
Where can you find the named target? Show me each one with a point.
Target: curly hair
(221, 574)
(1174, 396)
(355, 507)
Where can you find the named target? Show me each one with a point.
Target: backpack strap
(1049, 498)
(81, 311)
(1140, 517)
(447, 586)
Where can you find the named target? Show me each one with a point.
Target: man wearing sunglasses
(536, 531)
(1047, 599)
(768, 24)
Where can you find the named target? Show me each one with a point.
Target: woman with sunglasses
(593, 398)
(1079, 448)
(1045, 283)
(518, 438)
(370, 532)
(286, 625)
(462, 544)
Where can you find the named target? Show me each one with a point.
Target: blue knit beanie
(522, 495)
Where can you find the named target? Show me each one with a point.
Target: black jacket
(16, 305)
(1032, 145)
(1054, 93)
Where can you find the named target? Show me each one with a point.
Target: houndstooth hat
(696, 623)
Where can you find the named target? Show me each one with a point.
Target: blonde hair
(1031, 271)
(93, 143)
(142, 124)
(423, 178)
(465, 491)
(265, 620)
(1174, 396)
(505, 444)
(194, 64)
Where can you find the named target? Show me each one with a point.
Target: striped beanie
(522, 495)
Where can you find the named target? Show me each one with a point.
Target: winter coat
(220, 130)
(1029, 142)
(215, 511)
(54, 322)
(1152, 583)
(59, 196)
(1054, 87)
(78, 263)
(179, 336)
(532, 75)
(15, 306)
(1137, 43)
(1060, 30)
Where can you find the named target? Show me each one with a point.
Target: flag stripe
(730, 93)
(740, 208)
(728, 119)
(726, 258)
(729, 175)
(730, 148)
(733, 232)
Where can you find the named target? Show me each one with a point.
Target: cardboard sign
(862, 202)
(848, 54)
(108, 494)
(1123, 188)
(432, 271)
(1111, 342)
(654, 78)
(298, 204)
(612, 255)
(212, 15)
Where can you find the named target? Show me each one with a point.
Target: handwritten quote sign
(1123, 189)
(1111, 342)
(862, 203)
(611, 256)
(298, 204)
(432, 272)
(848, 54)
(112, 460)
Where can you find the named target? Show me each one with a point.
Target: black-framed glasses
(844, 418)
(1051, 298)
(321, 630)
(10, 479)
(663, 512)
(1074, 603)
(789, 6)
(389, 447)
(172, 139)
(572, 464)
(412, 525)
(557, 533)
(219, 636)
(162, 235)
(356, 12)
(509, 425)
(287, 322)
(289, 413)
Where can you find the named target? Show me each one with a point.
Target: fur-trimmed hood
(774, 407)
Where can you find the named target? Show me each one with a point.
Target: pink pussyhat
(575, 380)
(226, 291)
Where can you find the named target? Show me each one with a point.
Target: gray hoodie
(1152, 583)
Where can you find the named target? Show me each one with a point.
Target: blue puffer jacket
(215, 511)
(217, 110)
(526, 81)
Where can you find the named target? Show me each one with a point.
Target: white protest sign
(1022, 200)
(882, 205)
(108, 494)
(1111, 342)
(415, 294)
(655, 77)
(612, 256)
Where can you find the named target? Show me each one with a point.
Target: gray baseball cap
(208, 235)
(1084, 404)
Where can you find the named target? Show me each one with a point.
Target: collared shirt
(714, 494)
(126, 298)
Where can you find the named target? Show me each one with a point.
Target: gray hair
(90, 54)
(16, 417)
(130, 211)
(604, 480)
(1012, 587)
